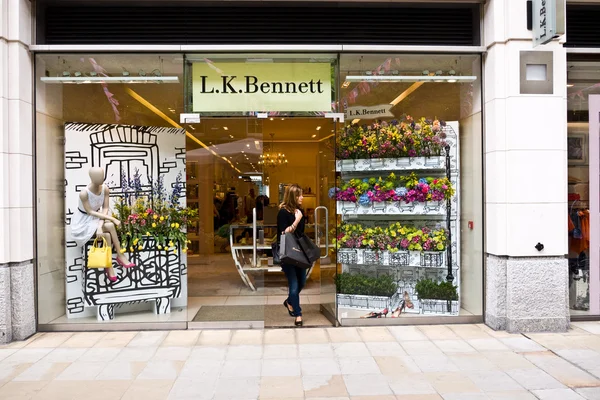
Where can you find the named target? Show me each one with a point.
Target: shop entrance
(237, 169)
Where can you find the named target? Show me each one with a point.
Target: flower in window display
(333, 192)
(364, 200)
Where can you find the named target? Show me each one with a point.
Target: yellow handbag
(100, 257)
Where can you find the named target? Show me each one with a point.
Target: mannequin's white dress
(83, 225)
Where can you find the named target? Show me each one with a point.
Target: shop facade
(486, 248)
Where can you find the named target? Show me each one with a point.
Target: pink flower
(404, 243)
(143, 222)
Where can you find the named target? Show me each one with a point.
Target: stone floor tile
(185, 338)
(9, 371)
(49, 340)
(190, 388)
(557, 394)
(88, 390)
(208, 353)
(451, 382)
(512, 395)
(376, 397)
(575, 331)
(172, 354)
(42, 371)
(215, 337)
(411, 384)
(311, 336)
(340, 335)
(507, 361)
(493, 381)
(358, 366)
(23, 356)
(351, 350)
(406, 333)
(241, 368)
(556, 342)
(315, 350)
(83, 339)
(396, 366)
(161, 370)
(278, 388)
(21, 390)
(203, 370)
(435, 363)
(4, 353)
(385, 349)
(465, 396)
(488, 345)
(420, 397)
(280, 351)
(324, 386)
(148, 390)
(422, 347)
(522, 344)
(472, 362)
(493, 333)
(534, 379)
(248, 352)
(454, 346)
(64, 355)
(247, 337)
(141, 354)
(438, 332)
(320, 366)
(97, 354)
(81, 371)
(280, 336)
(376, 334)
(587, 393)
(367, 385)
(281, 367)
(591, 341)
(148, 339)
(237, 388)
(114, 371)
(584, 358)
(562, 370)
(116, 339)
(466, 332)
(591, 327)
(19, 344)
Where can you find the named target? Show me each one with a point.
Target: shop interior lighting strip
(407, 78)
(110, 79)
(156, 111)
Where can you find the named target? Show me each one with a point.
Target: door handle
(325, 259)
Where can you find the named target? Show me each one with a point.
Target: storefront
(183, 138)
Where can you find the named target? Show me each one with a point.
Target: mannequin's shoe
(122, 264)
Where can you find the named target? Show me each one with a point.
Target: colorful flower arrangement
(398, 138)
(394, 238)
(149, 212)
(407, 189)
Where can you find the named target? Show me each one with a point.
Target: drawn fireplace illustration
(159, 276)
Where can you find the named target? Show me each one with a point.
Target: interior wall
(50, 200)
(301, 169)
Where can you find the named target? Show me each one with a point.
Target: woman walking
(290, 219)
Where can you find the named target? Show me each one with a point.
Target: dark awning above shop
(419, 24)
(582, 25)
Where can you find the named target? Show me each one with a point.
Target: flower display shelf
(386, 164)
(392, 208)
(427, 259)
(367, 302)
(156, 277)
(439, 307)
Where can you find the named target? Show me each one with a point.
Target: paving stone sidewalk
(462, 362)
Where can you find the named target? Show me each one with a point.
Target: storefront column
(525, 179)
(17, 306)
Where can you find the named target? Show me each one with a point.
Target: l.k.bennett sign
(261, 87)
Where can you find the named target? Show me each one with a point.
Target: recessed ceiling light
(247, 145)
(242, 151)
(570, 85)
(314, 136)
(271, 119)
(231, 136)
(318, 128)
(226, 128)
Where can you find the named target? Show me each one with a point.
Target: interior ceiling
(583, 79)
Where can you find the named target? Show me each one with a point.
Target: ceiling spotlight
(247, 145)
(318, 128)
(231, 136)
(314, 136)
(271, 119)
(226, 128)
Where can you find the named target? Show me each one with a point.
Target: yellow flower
(155, 216)
(136, 240)
(154, 224)
(159, 247)
(175, 251)
(162, 219)
(147, 233)
(171, 244)
(140, 248)
(184, 250)
(172, 225)
(131, 249)
(177, 225)
(122, 251)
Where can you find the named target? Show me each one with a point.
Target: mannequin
(92, 218)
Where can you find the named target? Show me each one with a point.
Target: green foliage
(365, 285)
(428, 289)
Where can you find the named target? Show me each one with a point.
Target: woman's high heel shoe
(287, 307)
(407, 301)
(398, 310)
(122, 264)
(376, 314)
(298, 322)
(112, 279)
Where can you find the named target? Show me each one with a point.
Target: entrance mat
(272, 315)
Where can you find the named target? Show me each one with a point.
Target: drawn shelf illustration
(397, 200)
(142, 166)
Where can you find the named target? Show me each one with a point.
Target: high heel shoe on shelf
(407, 301)
(399, 310)
(112, 279)
(376, 314)
(122, 264)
